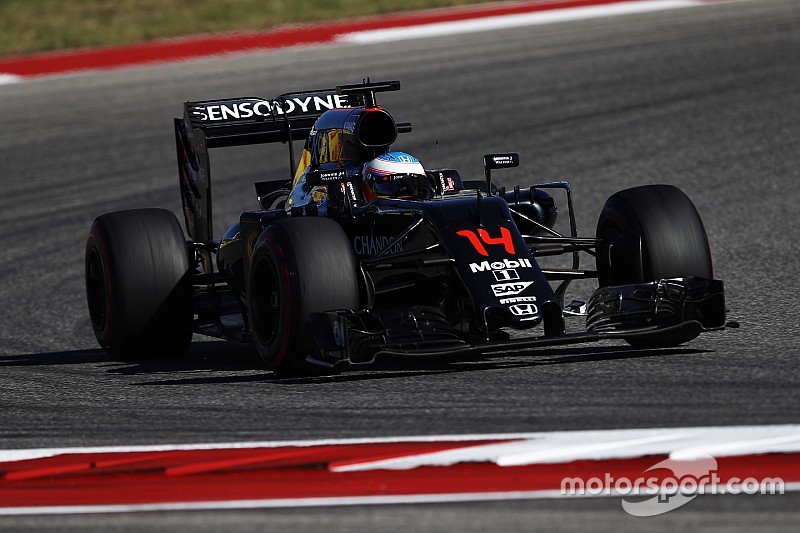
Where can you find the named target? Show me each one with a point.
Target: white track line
(777, 444)
(523, 448)
(514, 21)
(287, 503)
(36, 453)
(488, 23)
(7, 79)
(567, 446)
(549, 449)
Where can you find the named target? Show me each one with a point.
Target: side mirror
(491, 161)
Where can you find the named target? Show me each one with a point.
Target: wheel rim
(266, 302)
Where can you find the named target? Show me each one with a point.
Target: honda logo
(523, 309)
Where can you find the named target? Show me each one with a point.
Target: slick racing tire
(137, 283)
(649, 233)
(299, 266)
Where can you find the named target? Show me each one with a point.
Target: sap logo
(480, 237)
(510, 289)
(523, 309)
(516, 299)
(505, 264)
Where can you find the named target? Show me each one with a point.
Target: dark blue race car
(361, 252)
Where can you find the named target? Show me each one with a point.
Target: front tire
(137, 283)
(650, 233)
(299, 266)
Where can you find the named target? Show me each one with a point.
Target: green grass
(29, 26)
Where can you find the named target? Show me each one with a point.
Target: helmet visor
(411, 186)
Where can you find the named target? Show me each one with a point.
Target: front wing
(660, 313)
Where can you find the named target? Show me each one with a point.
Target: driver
(396, 175)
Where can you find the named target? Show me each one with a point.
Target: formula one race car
(363, 253)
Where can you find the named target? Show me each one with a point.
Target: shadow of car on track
(392, 368)
(210, 355)
(228, 362)
(74, 357)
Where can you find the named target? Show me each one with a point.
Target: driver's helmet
(397, 175)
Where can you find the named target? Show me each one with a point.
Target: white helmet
(397, 175)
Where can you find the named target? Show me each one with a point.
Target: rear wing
(239, 121)
(250, 120)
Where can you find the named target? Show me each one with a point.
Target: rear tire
(650, 233)
(299, 266)
(137, 283)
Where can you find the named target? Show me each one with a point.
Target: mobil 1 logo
(505, 270)
(505, 275)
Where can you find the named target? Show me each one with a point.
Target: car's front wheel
(650, 233)
(299, 266)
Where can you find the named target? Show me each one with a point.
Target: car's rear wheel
(137, 283)
(299, 266)
(649, 233)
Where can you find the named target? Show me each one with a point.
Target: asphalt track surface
(702, 98)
